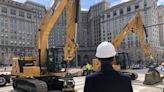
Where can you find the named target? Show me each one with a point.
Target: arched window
(86, 59)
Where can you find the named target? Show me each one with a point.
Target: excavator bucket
(152, 77)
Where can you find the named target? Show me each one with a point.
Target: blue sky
(85, 4)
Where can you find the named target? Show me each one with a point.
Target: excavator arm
(135, 25)
(71, 20)
(128, 28)
(50, 19)
(47, 24)
(141, 29)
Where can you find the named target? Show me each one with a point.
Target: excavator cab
(122, 60)
(53, 64)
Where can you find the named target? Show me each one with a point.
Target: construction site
(59, 47)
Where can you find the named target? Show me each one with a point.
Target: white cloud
(52, 2)
(84, 9)
(160, 2)
(121, 1)
(20, 1)
(97, 1)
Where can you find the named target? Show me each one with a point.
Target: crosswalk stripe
(79, 83)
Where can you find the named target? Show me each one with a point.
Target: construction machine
(44, 72)
(135, 25)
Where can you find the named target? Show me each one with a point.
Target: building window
(2, 49)
(131, 43)
(114, 13)
(128, 44)
(3, 9)
(29, 16)
(13, 12)
(2, 42)
(128, 9)
(103, 16)
(136, 6)
(145, 4)
(6, 42)
(108, 15)
(121, 11)
(21, 14)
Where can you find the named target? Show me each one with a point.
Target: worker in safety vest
(88, 68)
(107, 79)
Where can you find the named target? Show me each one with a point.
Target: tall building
(39, 12)
(89, 32)
(83, 36)
(85, 51)
(85, 40)
(160, 21)
(94, 16)
(17, 29)
(103, 22)
(115, 18)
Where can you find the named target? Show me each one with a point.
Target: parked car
(137, 66)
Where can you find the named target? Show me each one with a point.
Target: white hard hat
(105, 50)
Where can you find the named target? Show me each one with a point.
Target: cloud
(118, 2)
(84, 9)
(20, 1)
(52, 2)
(97, 1)
(160, 2)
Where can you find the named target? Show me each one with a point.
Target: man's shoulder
(110, 75)
(95, 74)
(127, 77)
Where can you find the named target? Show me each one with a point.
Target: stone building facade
(17, 29)
(115, 18)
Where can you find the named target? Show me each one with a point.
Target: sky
(85, 4)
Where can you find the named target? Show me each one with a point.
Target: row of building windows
(13, 12)
(3, 42)
(121, 11)
(130, 45)
(14, 31)
(15, 49)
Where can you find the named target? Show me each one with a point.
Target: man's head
(105, 52)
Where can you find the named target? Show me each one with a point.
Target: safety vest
(88, 67)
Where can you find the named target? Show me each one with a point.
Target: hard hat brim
(106, 56)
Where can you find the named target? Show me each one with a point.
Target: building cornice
(17, 18)
(123, 15)
(16, 6)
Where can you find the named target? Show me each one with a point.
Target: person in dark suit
(107, 79)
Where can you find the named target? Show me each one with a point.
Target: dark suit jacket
(108, 80)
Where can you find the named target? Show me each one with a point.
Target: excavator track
(29, 85)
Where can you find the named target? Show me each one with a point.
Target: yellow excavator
(135, 25)
(44, 72)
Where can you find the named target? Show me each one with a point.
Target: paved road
(138, 85)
